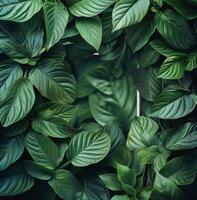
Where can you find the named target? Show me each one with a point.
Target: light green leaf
(91, 30)
(10, 151)
(142, 132)
(175, 29)
(64, 184)
(14, 181)
(119, 106)
(191, 61)
(181, 170)
(173, 104)
(18, 103)
(19, 10)
(128, 12)
(56, 18)
(88, 148)
(53, 127)
(120, 197)
(167, 189)
(89, 8)
(53, 81)
(184, 138)
(172, 68)
(42, 149)
(111, 181)
(10, 73)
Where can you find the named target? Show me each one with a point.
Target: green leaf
(53, 81)
(37, 171)
(173, 104)
(56, 18)
(181, 170)
(92, 189)
(167, 189)
(89, 8)
(120, 197)
(184, 138)
(64, 184)
(42, 149)
(111, 181)
(53, 127)
(172, 68)
(186, 9)
(18, 103)
(119, 106)
(142, 132)
(10, 151)
(127, 178)
(139, 34)
(128, 12)
(175, 29)
(19, 10)
(10, 73)
(14, 181)
(91, 31)
(88, 148)
(147, 83)
(191, 61)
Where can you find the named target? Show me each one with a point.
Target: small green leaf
(91, 30)
(42, 149)
(64, 184)
(18, 103)
(88, 148)
(56, 18)
(142, 132)
(111, 181)
(128, 12)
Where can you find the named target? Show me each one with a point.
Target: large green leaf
(56, 18)
(142, 132)
(89, 8)
(184, 138)
(166, 189)
(184, 8)
(111, 181)
(128, 12)
(173, 104)
(22, 41)
(54, 81)
(91, 31)
(139, 34)
(19, 10)
(18, 103)
(14, 181)
(92, 189)
(10, 73)
(175, 29)
(10, 151)
(42, 149)
(182, 170)
(88, 148)
(119, 106)
(120, 197)
(64, 184)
